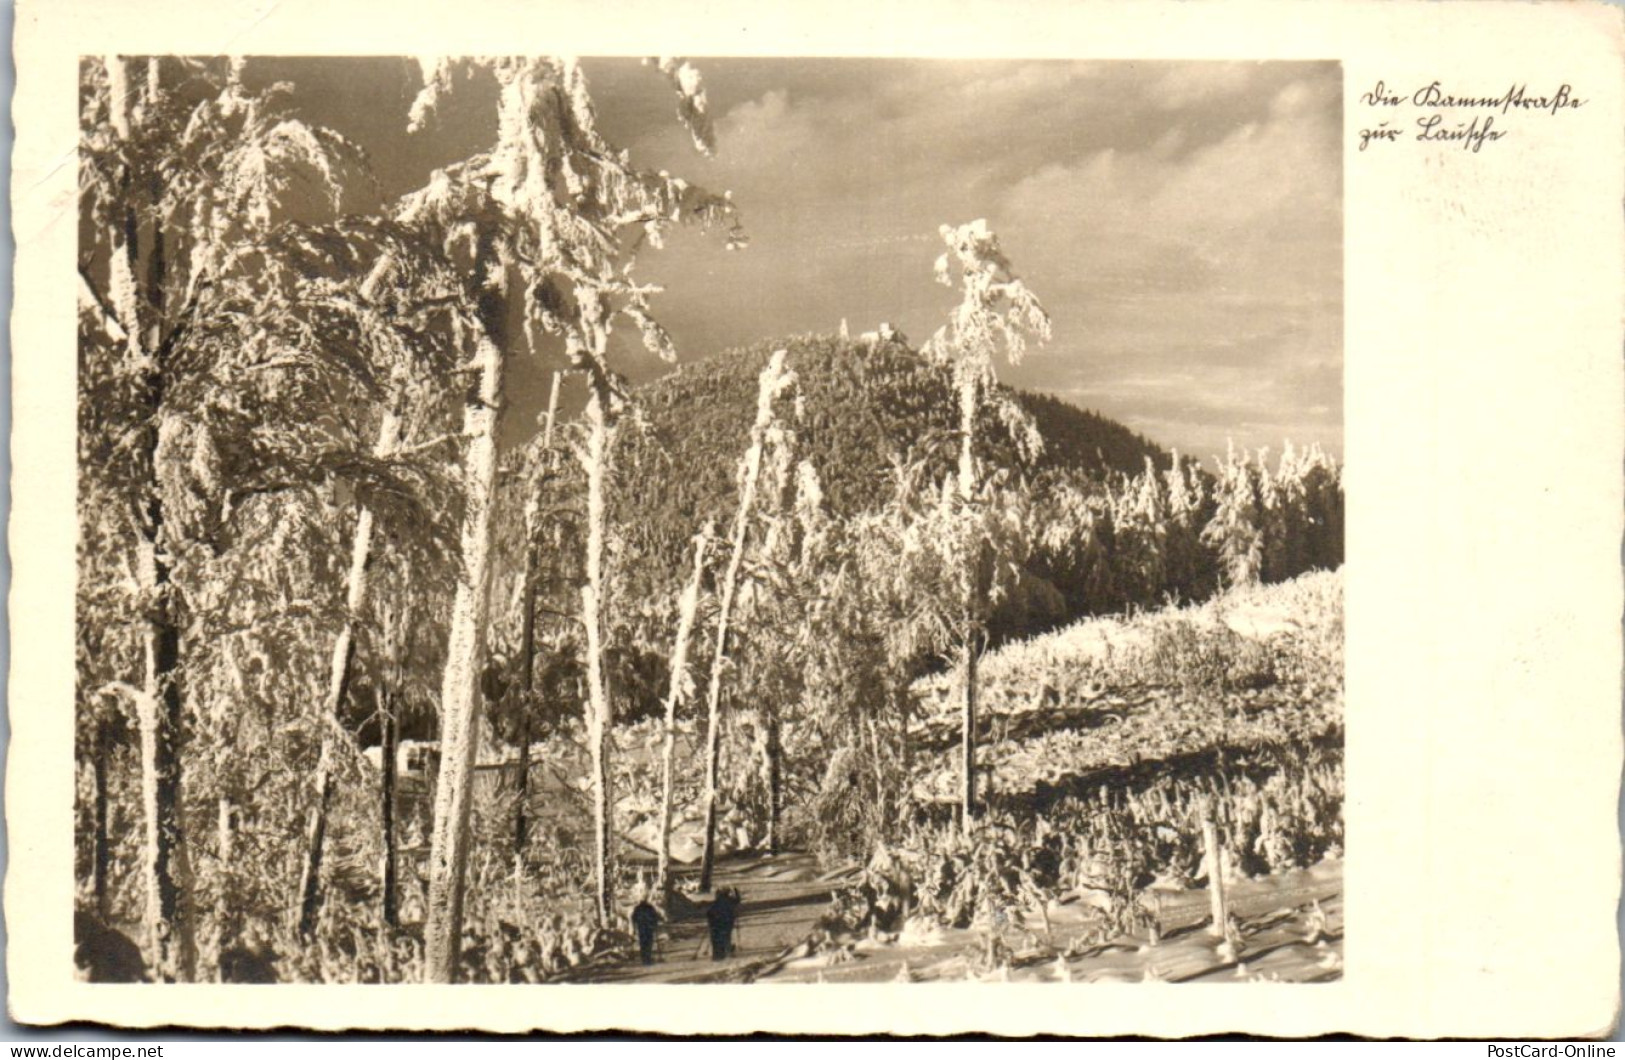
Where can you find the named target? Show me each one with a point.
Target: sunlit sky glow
(1182, 222)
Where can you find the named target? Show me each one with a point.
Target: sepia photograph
(999, 519)
(811, 520)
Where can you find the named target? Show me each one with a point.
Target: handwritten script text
(1435, 113)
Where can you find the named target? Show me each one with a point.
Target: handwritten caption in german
(1438, 114)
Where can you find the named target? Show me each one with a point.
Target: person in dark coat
(721, 917)
(645, 918)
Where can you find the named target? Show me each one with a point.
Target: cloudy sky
(1182, 222)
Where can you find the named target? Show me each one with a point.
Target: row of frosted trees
(290, 402)
(297, 526)
(291, 395)
(1183, 532)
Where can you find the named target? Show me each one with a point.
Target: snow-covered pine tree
(1235, 532)
(1188, 572)
(996, 311)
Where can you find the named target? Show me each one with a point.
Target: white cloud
(1219, 265)
(1181, 222)
(1186, 84)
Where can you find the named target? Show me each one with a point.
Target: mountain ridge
(863, 404)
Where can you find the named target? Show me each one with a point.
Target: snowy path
(783, 898)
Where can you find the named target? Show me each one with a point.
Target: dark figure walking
(720, 917)
(645, 918)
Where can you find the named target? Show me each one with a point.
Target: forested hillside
(863, 408)
(864, 404)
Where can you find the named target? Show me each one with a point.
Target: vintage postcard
(936, 518)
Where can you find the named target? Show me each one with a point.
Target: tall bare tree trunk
(521, 825)
(877, 765)
(137, 271)
(967, 720)
(465, 648)
(100, 857)
(390, 751)
(600, 711)
(338, 686)
(1219, 927)
(342, 664)
(160, 796)
(969, 631)
(527, 702)
(775, 778)
(772, 380)
(687, 607)
(225, 842)
(161, 719)
(905, 736)
(713, 756)
(782, 478)
(225, 831)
